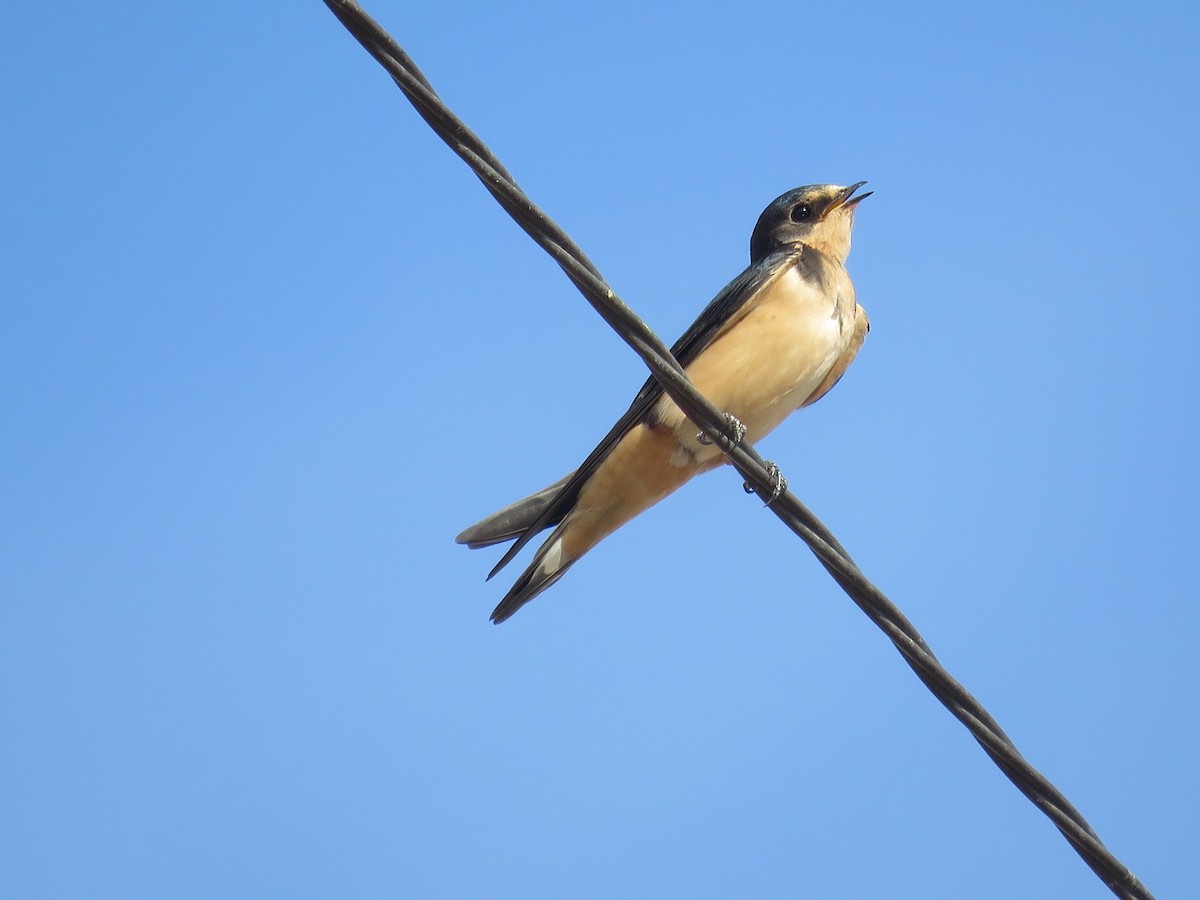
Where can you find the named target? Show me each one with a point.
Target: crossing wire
(742, 456)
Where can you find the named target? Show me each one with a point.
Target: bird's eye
(801, 212)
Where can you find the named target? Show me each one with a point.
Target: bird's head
(819, 215)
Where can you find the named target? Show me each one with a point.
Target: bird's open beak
(846, 198)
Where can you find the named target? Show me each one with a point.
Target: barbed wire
(742, 456)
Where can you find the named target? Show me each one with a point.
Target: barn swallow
(775, 339)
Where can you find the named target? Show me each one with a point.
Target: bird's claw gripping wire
(735, 431)
(776, 476)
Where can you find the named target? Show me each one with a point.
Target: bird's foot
(779, 483)
(735, 431)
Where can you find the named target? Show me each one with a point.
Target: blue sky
(266, 346)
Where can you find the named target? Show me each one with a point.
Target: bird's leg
(735, 431)
(779, 483)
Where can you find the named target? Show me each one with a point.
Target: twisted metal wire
(786, 506)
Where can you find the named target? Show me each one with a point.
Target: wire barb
(763, 477)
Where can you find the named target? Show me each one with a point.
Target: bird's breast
(771, 361)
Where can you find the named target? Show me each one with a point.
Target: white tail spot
(552, 561)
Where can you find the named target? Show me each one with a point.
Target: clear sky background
(266, 346)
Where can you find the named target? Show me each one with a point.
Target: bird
(775, 339)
